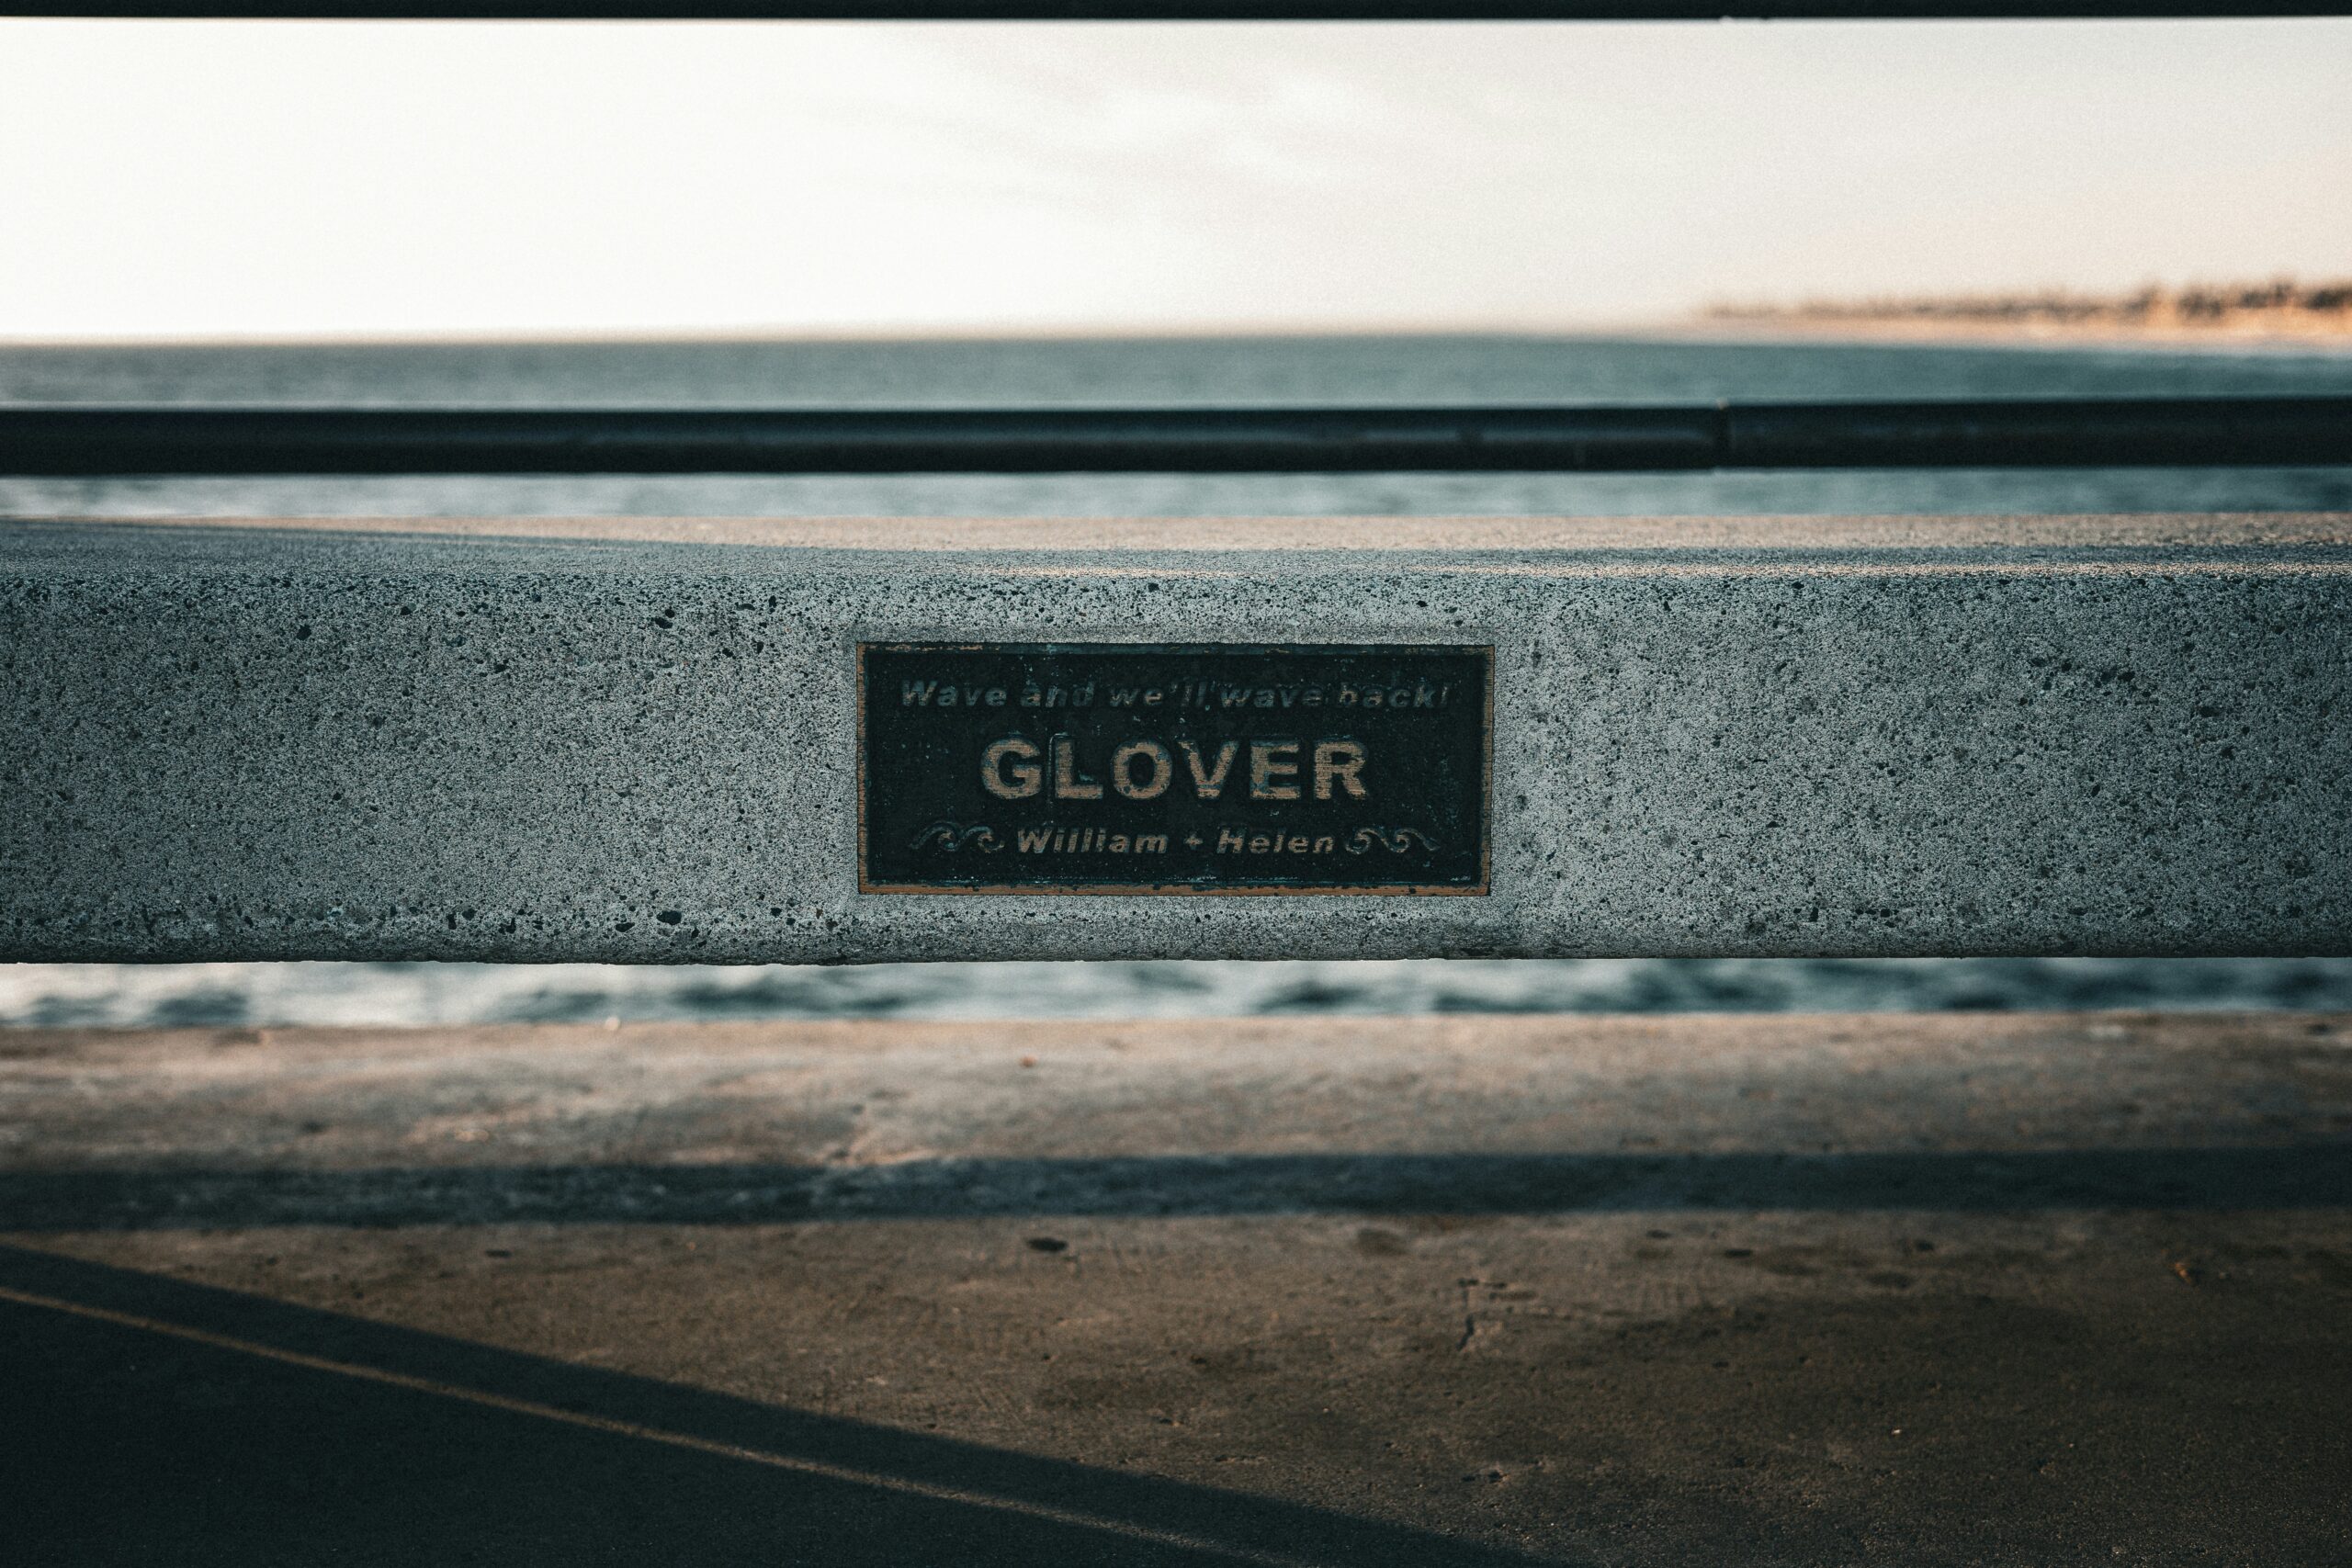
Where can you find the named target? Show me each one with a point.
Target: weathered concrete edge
(1653, 637)
(1935, 532)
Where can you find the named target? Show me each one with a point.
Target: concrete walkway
(1836, 1290)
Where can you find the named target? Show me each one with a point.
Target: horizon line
(1015, 330)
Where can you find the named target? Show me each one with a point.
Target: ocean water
(1182, 372)
(276, 994)
(1195, 371)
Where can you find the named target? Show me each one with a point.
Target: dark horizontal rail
(2135, 433)
(1175, 10)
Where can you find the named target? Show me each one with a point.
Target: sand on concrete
(1798, 1289)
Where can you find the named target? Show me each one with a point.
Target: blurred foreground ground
(2025, 1288)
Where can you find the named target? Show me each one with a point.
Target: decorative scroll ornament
(1396, 841)
(954, 836)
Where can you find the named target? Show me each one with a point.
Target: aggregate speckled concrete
(632, 740)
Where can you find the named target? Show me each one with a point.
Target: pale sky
(259, 180)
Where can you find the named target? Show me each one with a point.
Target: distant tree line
(2281, 302)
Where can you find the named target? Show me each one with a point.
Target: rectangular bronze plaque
(1172, 768)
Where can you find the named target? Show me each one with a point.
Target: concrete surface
(1927, 1289)
(632, 740)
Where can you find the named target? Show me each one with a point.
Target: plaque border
(1483, 888)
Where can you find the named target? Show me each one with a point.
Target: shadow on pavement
(153, 1421)
(2298, 1175)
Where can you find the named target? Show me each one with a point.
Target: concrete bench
(637, 740)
